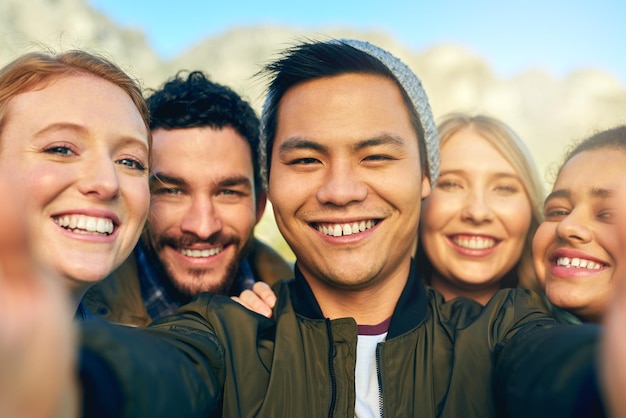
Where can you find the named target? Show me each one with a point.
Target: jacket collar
(410, 310)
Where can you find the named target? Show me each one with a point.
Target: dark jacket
(215, 358)
(118, 298)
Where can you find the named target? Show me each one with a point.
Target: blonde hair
(512, 148)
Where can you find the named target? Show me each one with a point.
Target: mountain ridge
(548, 112)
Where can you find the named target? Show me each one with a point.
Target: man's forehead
(341, 92)
(413, 94)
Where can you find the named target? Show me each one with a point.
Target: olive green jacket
(118, 297)
(215, 358)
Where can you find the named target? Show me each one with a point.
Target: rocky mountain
(63, 24)
(547, 112)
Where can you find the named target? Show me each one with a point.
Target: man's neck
(368, 306)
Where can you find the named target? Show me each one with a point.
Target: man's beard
(192, 281)
(196, 281)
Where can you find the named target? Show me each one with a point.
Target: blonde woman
(478, 222)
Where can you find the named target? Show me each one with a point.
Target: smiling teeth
(475, 243)
(577, 263)
(201, 253)
(338, 230)
(85, 224)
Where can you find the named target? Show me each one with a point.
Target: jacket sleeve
(175, 370)
(549, 371)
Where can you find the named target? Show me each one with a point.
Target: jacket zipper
(331, 369)
(380, 380)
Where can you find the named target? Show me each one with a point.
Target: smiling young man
(349, 148)
(206, 198)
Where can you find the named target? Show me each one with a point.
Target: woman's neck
(76, 295)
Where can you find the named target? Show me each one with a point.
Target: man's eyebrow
(383, 139)
(302, 143)
(297, 142)
(165, 179)
(235, 181)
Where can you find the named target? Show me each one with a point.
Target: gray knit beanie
(413, 88)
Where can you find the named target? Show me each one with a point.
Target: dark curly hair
(194, 101)
(613, 138)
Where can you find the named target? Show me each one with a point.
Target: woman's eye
(447, 185)
(131, 163)
(553, 214)
(507, 189)
(605, 216)
(59, 150)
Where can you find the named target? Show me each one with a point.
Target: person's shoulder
(458, 312)
(518, 298)
(268, 264)
(214, 308)
(118, 298)
(216, 320)
(506, 308)
(515, 309)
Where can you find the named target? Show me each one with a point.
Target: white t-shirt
(366, 375)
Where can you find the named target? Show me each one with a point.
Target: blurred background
(555, 71)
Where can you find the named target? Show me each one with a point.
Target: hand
(613, 345)
(261, 299)
(37, 341)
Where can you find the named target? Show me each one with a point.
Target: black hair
(614, 138)
(313, 60)
(195, 101)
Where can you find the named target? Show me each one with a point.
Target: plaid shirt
(159, 302)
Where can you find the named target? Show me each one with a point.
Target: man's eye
(377, 157)
(167, 190)
(231, 192)
(303, 161)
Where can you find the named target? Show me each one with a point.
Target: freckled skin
(78, 153)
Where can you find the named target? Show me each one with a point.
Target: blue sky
(511, 35)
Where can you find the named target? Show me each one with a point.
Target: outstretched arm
(550, 372)
(148, 372)
(37, 338)
(613, 349)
